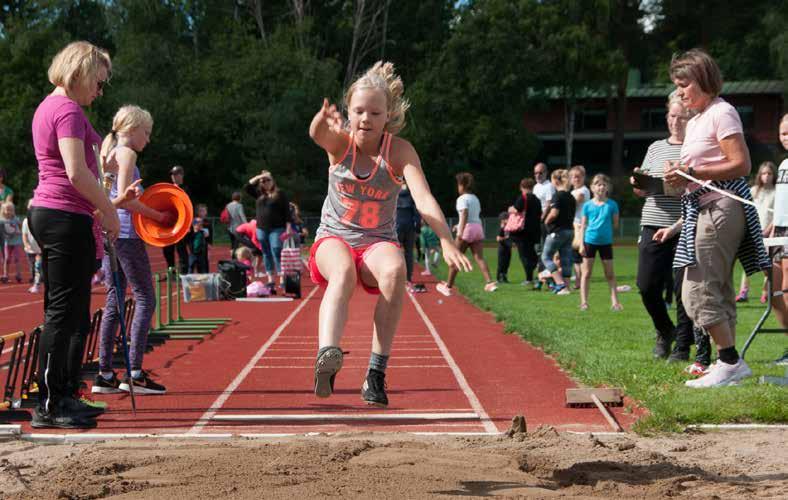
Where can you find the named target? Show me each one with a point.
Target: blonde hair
(381, 77)
(604, 179)
(578, 168)
(127, 119)
(698, 66)
(77, 63)
(757, 185)
(561, 176)
(7, 204)
(243, 253)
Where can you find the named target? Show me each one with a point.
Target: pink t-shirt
(58, 117)
(705, 131)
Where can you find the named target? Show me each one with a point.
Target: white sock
(136, 373)
(106, 375)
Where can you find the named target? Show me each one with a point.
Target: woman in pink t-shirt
(61, 220)
(715, 229)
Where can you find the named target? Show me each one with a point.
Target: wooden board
(583, 396)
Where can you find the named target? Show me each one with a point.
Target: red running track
(452, 370)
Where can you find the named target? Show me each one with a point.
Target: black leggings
(528, 257)
(68, 256)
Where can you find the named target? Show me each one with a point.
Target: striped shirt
(660, 210)
(751, 253)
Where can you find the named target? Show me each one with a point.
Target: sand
(540, 464)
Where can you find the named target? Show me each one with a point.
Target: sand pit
(542, 464)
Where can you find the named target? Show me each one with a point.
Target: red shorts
(359, 254)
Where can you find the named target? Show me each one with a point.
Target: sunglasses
(100, 84)
(266, 180)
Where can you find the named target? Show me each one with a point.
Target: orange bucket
(164, 197)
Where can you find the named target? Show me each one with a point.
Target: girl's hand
(332, 117)
(582, 250)
(131, 193)
(166, 218)
(453, 257)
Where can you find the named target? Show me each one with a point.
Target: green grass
(602, 348)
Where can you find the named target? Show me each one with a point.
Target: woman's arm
(72, 150)
(615, 220)
(552, 215)
(251, 188)
(736, 164)
(326, 130)
(431, 213)
(583, 224)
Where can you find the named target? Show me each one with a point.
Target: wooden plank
(584, 395)
(605, 413)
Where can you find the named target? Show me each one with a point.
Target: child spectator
(470, 233)
(577, 178)
(207, 229)
(430, 245)
(560, 232)
(530, 235)
(600, 217)
(198, 259)
(13, 241)
(33, 252)
(300, 233)
(244, 256)
(762, 190)
(6, 193)
(504, 249)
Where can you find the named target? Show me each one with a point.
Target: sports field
(601, 347)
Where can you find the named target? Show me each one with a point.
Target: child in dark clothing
(504, 249)
(198, 259)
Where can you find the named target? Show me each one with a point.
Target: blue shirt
(599, 222)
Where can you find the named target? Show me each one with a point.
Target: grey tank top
(361, 211)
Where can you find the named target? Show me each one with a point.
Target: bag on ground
(201, 287)
(291, 257)
(234, 274)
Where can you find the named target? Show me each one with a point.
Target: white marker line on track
(350, 367)
(306, 349)
(208, 415)
(305, 417)
(363, 342)
(312, 357)
(489, 426)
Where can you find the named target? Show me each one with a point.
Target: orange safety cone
(164, 197)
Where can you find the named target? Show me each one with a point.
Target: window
(590, 119)
(747, 115)
(653, 119)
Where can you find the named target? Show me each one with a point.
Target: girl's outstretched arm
(425, 203)
(326, 130)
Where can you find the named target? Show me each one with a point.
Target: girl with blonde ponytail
(131, 129)
(357, 239)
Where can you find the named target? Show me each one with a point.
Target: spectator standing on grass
(780, 229)
(469, 233)
(430, 245)
(655, 255)
(235, 210)
(560, 232)
(504, 249)
(597, 222)
(177, 174)
(544, 190)
(577, 178)
(715, 228)
(762, 191)
(526, 239)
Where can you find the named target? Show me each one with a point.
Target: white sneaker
(721, 374)
(490, 287)
(545, 274)
(443, 288)
(33, 289)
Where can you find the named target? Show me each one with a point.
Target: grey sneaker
(328, 363)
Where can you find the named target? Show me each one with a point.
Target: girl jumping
(357, 241)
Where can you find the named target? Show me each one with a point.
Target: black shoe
(142, 385)
(75, 407)
(104, 386)
(662, 346)
(679, 355)
(373, 392)
(50, 420)
(327, 365)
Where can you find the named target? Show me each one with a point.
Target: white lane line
(299, 367)
(306, 417)
(312, 357)
(363, 342)
(21, 304)
(489, 426)
(395, 349)
(206, 417)
(355, 337)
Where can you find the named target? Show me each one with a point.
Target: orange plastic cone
(164, 197)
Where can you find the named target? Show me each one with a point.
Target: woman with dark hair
(273, 215)
(529, 236)
(715, 229)
(470, 234)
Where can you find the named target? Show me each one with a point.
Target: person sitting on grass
(599, 218)
(559, 234)
(470, 234)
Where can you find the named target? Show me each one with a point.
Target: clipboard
(648, 184)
